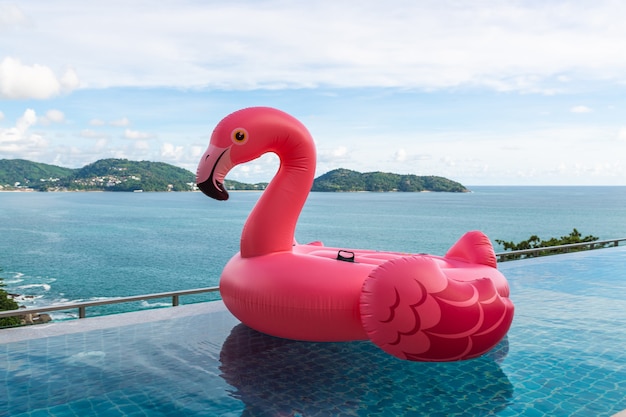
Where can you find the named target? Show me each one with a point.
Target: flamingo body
(415, 307)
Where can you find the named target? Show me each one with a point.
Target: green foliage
(7, 303)
(347, 180)
(339, 180)
(29, 173)
(104, 175)
(534, 242)
(125, 175)
(236, 185)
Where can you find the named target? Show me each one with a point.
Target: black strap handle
(345, 255)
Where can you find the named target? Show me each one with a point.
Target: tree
(7, 303)
(535, 242)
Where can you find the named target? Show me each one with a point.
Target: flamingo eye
(239, 136)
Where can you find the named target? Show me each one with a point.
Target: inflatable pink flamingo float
(415, 307)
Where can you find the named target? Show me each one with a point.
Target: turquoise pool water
(564, 356)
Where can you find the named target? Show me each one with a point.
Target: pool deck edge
(56, 328)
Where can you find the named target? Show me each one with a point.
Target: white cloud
(1, 116)
(26, 121)
(51, 116)
(337, 154)
(142, 145)
(172, 152)
(446, 160)
(581, 109)
(259, 170)
(19, 81)
(18, 142)
(621, 134)
(56, 116)
(508, 46)
(196, 152)
(69, 80)
(120, 122)
(92, 134)
(97, 122)
(503, 157)
(11, 16)
(399, 155)
(411, 158)
(135, 134)
(101, 144)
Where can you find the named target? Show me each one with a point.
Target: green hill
(102, 175)
(26, 173)
(125, 175)
(347, 180)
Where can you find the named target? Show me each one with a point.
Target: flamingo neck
(271, 225)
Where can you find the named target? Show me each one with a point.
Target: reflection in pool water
(280, 377)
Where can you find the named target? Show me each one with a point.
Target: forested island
(345, 180)
(125, 175)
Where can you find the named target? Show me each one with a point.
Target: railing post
(175, 300)
(82, 312)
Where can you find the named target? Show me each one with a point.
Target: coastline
(28, 190)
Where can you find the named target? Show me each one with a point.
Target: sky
(483, 92)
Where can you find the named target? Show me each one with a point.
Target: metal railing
(82, 307)
(553, 250)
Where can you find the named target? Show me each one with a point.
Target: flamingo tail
(473, 247)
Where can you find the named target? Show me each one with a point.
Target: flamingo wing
(412, 310)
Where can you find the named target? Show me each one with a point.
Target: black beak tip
(215, 191)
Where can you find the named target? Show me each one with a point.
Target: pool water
(564, 356)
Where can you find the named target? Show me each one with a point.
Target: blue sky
(482, 92)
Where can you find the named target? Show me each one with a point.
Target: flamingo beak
(213, 167)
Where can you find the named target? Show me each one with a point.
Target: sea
(58, 248)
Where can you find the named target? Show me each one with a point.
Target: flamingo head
(241, 137)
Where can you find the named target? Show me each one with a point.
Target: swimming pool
(564, 356)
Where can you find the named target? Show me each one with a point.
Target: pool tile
(563, 356)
